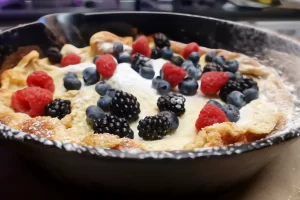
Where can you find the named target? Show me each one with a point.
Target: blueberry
(90, 75)
(194, 57)
(95, 58)
(232, 112)
(250, 94)
(236, 98)
(124, 57)
(166, 53)
(155, 81)
(238, 76)
(102, 87)
(70, 75)
(187, 64)
(111, 93)
(215, 103)
(220, 60)
(173, 119)
(72, 83)
(210, 56)
(188, 86)
(147, 72)
(92, 113)
(233, 66)
(163, 87)
(194, 72)
(104, 103)
(118, 48)
(231, 76)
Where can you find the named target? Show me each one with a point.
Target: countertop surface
(280, 180)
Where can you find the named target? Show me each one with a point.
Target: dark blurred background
(278, 15)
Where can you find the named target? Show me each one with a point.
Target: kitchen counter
(280, 180)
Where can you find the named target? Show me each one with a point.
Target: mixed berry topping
(71, 81)
(41, 79)
(173, 74)
(125, 105)
(102, 87)
(106, 65)
(194, 72)
(177, 60)
(70, 59)
(93, 113)
(212, 67)
(231, 112)
(190, 48)
(167, 53)
(212, 82)
(172, 102)
(90, 76)
(113, 125)
(58, 108)
(53, 54)
(172, 117)
(161, 40)
(153, 127)
(188, 86)
(140, 61)
(162, 86)
(141, 46)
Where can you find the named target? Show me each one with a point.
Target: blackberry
(125, 105)
(229, 87)
(113, 125)
(58, 108)
(211, 67)
(177, 60)
(54, 55)
(156, 53)
(139, 61)
(172, 102)
(153, 127)
(247, 83)
(161, 40)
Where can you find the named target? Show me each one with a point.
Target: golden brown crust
(264, 120)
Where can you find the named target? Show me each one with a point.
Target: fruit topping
(173, 74)
(147, 72)
(102, 87)
(212, 82)
(172, 102)
(141, 46)
(124, 57)
(194, 72)
(156, 53)
(140, 61)
(153, 127)
(194, 57)
(236, 98)
(173, 119)
(210, 56)
(92, 113)
(104, 103)
(188, 86)
(219, 60)
(90, 75)
(53, 54)
(117, 48)
(212, 67)
(187, 64)
(70, 59)
(106, 65)
(161, 40)
(113, 125)
(231, 76)
(31, 100)
(41, 79)
(58, 108)
(250, 94)
(111, 93)
(214, 102)
(166, 53)
(177, 60)
(190, 48)
(125, 105)
(248, 82)
(232, 65)
(71, 82)
(232, 112)
(95, 58)
(209, 115)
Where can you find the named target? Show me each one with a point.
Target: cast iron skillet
(203, 170)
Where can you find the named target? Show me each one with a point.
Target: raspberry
(209, 115)
(31, 100)
(70, 59)
(189, 48)
(212, 82)
(141, 46)
(173, 74)
(40, 79)
(106, 65)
